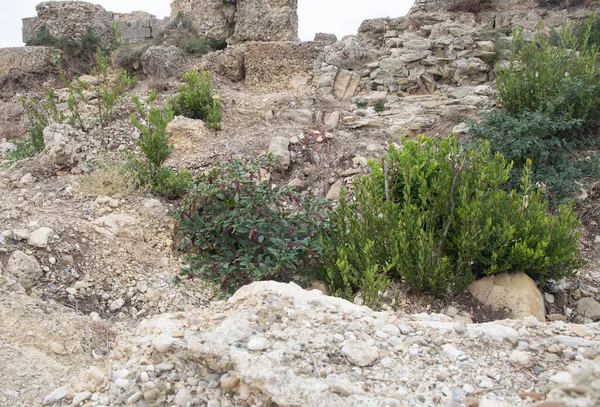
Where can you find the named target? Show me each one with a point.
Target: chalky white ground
(277, 343)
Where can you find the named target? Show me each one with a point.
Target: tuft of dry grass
(111, 177)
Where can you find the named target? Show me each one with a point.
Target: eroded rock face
(61, 146)
(266, 20)
(212, 18)
(242, 20)
(24, 268)
(72, 19)
(228, 62)
(163, 62)
(26, 59)
(284, 65)
(517, 293)
(277, 344)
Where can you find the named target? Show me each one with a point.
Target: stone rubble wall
(25, 59)
(241, 21)
(135, 27)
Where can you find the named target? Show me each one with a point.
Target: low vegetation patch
(237, 228)
(196, 100)
(436, 217)
(111, 177)
(154, 142)
(550, 112)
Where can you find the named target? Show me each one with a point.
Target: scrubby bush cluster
(79, 54)
(439, 218)
(179, 32)
(41, 112)
(238, 228)
(550, 95)
(196, 100)
(152, 123)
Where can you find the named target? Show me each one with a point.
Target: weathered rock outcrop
(277, 344)
(26, 59)
(284, 65)
(72, 19)
(266, 20)
(163, 62)
(242, 20)
(212, 18)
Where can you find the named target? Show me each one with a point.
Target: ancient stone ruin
(73, 18)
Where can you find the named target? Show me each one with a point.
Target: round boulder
(163, 62)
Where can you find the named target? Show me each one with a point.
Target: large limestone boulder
(211, 18)
(26, 59)
(163, 62)
(61, 146)
(266, 20)
(24, 268)
(188, 137)
(72, 19)
(284, 65)
(229, 62)
(516, 293)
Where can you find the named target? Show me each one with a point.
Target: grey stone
(24, 268)
(279, 147)
(589, 308)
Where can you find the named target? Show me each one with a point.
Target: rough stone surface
(325, 38)
(72, 19)
(26, 59)
(24, 268)
(266, 20)
(280, 344)
(39, 237)
(589, 308)
(229, 62)
(279, 147)
(283, 65)
(517, 293)
(211, 18)
(61, 143)
(163, 62)
(188, 136)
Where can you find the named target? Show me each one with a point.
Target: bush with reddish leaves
(236, 227)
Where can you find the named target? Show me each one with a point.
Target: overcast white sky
(341, 17)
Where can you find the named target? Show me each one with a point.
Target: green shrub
(79, 55)
(154, 143)
(196, 101)
(379, 107)
(238, 228)
(559, 159)
(551, 78)
(361, 105)
(447, 222)
(550, 97)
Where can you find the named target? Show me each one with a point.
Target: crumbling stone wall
(137, 26)
(283, 65)
(242, 20)
(72, 19)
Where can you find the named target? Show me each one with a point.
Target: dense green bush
(550, 98)
(237, 228)
(556, 147)
(552, 78)
(443, 221)
(154, 143)
(196, 101)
